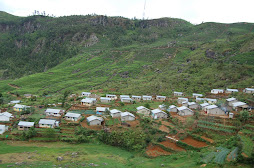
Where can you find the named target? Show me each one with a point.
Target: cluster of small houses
(208, 106)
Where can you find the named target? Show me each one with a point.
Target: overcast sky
(195, 11)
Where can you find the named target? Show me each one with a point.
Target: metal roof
(232, 90)
(144, 96)
(91, 118)
(136, 96)
(178, 92)
(52, 111)
(236, 104)
(155, 111)
(124, 96)
(231, 99)
(115, 111)
(249, 89)
(141, 107)
(191, 103)
(204, 104)
(74, 115)
(25, 123)
(46, 121)
(196, 94)
(172, 106)
(88, 100)
(20, 106)
(183, 108)
(126, 114)
(182, 98)
(161, 97)
(211, 107)
(7, 114)
(102, 108)
(105, 98)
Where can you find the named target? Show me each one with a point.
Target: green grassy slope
(132, 56)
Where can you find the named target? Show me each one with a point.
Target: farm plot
(247, 145)
(209, 157)
(190, 141)
(221, 155)
(233, 154)
(172, 145)
(164, 129)
(216, 127)
(155, 151)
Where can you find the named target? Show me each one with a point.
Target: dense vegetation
(132, 56)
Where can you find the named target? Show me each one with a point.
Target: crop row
(215, 128)
(216, 124)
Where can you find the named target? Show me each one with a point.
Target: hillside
(49, 55)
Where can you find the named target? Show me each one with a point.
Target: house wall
(173, 110)
(126, 101)
(52, 114)
(179, 101)
(22, 128)
(136, 99)
(72, 119)
(160, 115)
(46, 126)
(231, 102)
(127, 118)
(17, 109)
(185, 112)
(105, 101)
(195, 106)
(4, 118)
(147, 98)
(87, 104)
(116, 115)
(144, 112)
(248, 91)
(95, 122)
(215, 111)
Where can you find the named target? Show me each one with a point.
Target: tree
(65, 95)
(244, 115)
(1, 98)
(147, 105)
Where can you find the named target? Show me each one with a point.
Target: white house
(217, 91)
(213, 109)
(72, 116)
(231, 100)
(115, 113)
(136, 98)
(19, 107)
(180, 100)
(231, 91)
(53, 112)
(126, 100)
(172, 108)
(127, 116)
(15, 102)
(193, 105)
(101, 110)
(94, 120)
(6, 116)
(88, 101)
(184, 111)
(195, 95)
(124, 96)
(112, 97)
(178, 93)
(211, 101)
(24, 125)
(198, 99)
(158, 114)
(3, 128)
(240, 106)
(248, 90)
(46, 123)
(143, 110)
(162, 107)
(161, 98)
(149, 98)
(105, 100)
(86, 94)
(203, 105)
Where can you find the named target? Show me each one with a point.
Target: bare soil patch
(155, 151)
(95, 127)
(193, 142)
(172, 145)
(207, 139)
(164, 129)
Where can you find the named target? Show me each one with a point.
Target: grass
(45, 154)
(247, 145)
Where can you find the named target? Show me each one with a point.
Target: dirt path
(164, 129)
